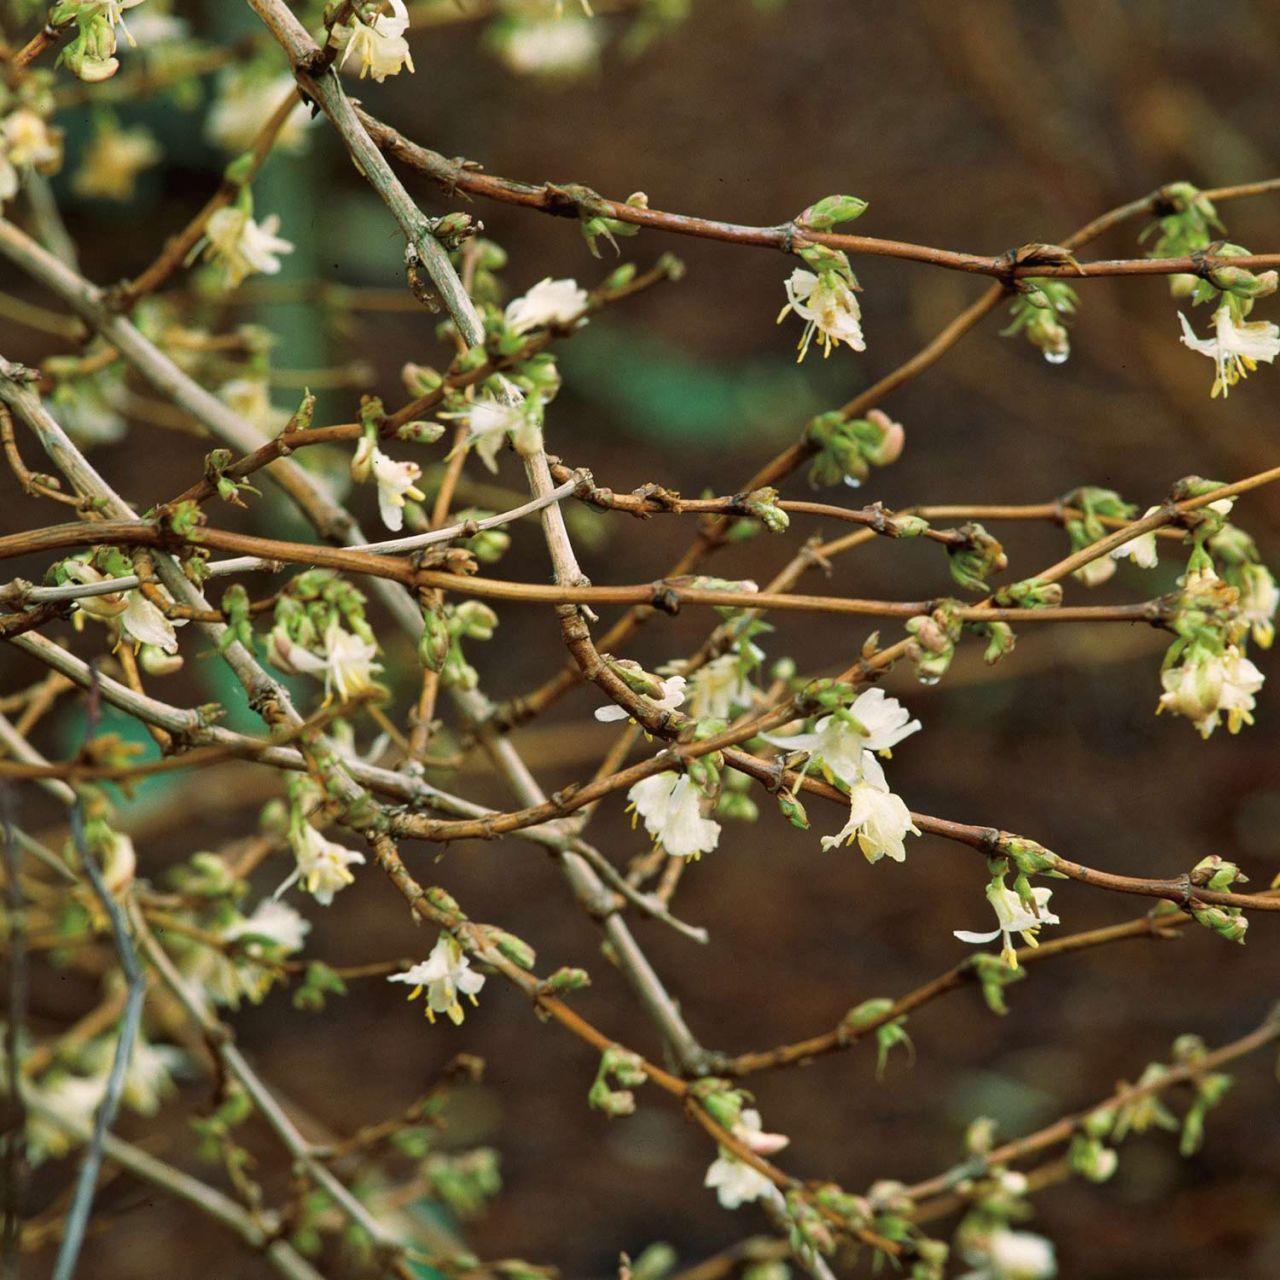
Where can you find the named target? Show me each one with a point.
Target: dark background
(976, 127)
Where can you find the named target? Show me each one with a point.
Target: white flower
(112, 161)
(1237, 348)
(718, 687)
(242, 246)
(148, 1078)
(379, 45)
(874, 722)
(119, 861)
(828, 306)
(156, 28)
(139, 619)
(395, 484)
(1096, 572)
(28, 140)
(1013, 918)
(672, 697)
(73, 1098)
(489, 421)
(251, 399)
(322, 864)
(347, 666)
(144, 623)
(671, 806)
(878, 819)
(1013, 1255)
(445, 973)
(1259, 600)
(273, 922)
(549, 47)
(1142, 549)
(1210, 684)
(548, 302)
(736, 1182)
(245, 101)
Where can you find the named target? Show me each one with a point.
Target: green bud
(444, 902)
(866, 1015)
(620, 277)
(792, 810)
(973, 561)
(763, 504)
(1216, 873)
(1226, 922)
(565, 980)
(420, 432)
(435, 641)
(909, 526)
(831, 211)
(1030, 593)
(517, 950)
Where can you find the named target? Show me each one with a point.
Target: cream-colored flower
(719, 686)
(323, 865)
(1013, 918)
(149, 1076)
(735, 1182)
(72, 1098)
(1012, 1255)
(490, 422)
(112, 161)
(672, 697)
(548, 302)
(395, 482)
(139, 620)
(878, 819)
(874, 722)
(829, 307)
(445, 974)
(552, 48)
(347, 666)
(29, 140)
(246, 99)
(379, 45)
(1209, 685)
(1237, 347)
(671, 806)
(1141, 550)
(273, 922)
(241, 246)
(1259, 600)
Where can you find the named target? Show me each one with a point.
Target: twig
(15, 1025)
(136, 984)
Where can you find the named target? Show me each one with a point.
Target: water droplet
(930, 679)
(1057, 357)
(853, 482)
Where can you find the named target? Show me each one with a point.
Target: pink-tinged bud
(893, 439)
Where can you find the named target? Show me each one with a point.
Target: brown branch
(572, 200)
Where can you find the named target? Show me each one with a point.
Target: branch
(572, 200)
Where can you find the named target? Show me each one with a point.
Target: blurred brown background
(977, 126)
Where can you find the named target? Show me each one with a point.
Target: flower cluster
(844, 746)
(90, 54)
(1206, 674)
(375, 38)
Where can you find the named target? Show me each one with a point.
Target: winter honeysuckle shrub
(324, 603)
